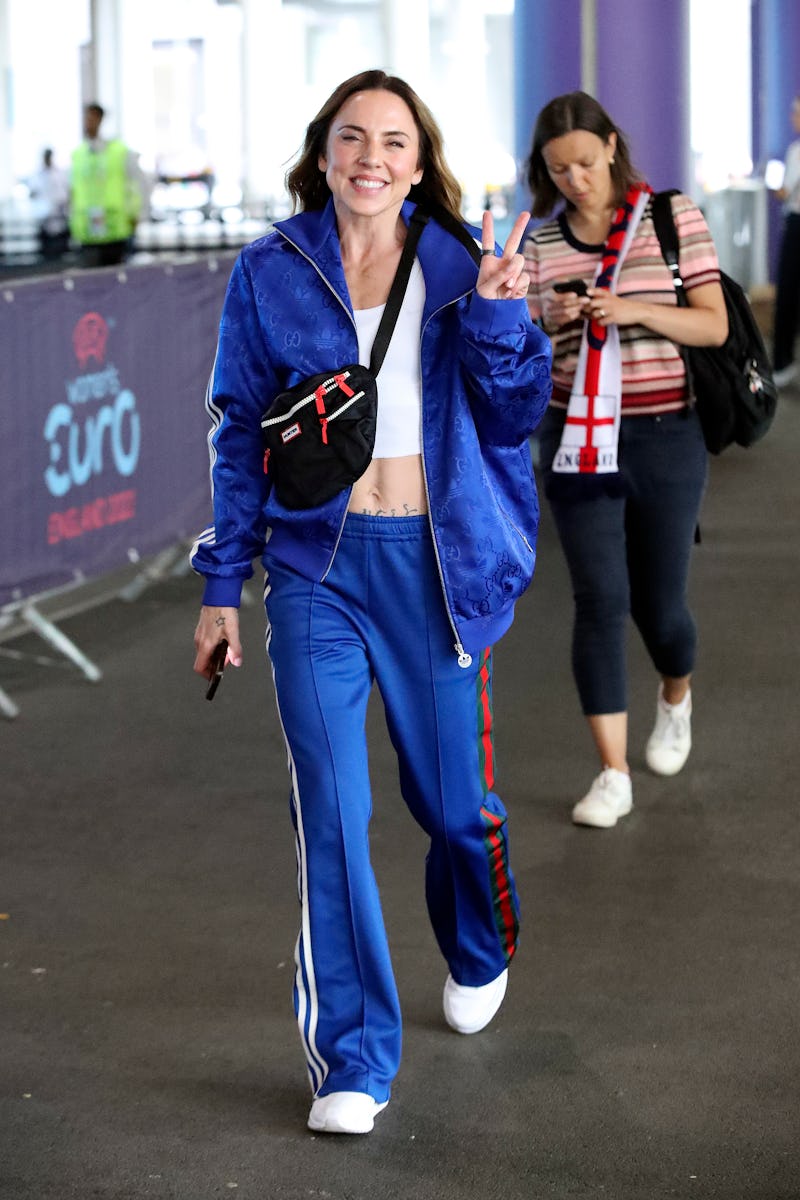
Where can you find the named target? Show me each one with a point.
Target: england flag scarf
(591, 429)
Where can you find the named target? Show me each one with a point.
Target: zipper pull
(343, 387)
(319, 397)
(464, 659)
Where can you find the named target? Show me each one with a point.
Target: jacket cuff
(497, 316)
(222, 592)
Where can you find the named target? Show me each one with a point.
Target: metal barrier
(104, 462)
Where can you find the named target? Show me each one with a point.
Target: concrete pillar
(6, 115)
(547, 63)
(105, 59)
(643, 82)
(119, 74)
(407, 42)
(777, 74)
(270, 67)
(224, 92)
(461, 105)
(776, 81)
(120, 71)
(136, 118)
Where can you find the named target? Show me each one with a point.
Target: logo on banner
(89, 338)
(93, 434)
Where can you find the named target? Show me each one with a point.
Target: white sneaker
(609, 798)
(785, 375)
(344, 1112)
(671, 740)
(470, 1009)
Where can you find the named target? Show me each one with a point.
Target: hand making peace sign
(503, 277)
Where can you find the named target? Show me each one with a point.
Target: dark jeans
(787, 294)
(629, 554)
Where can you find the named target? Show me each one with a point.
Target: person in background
(107, 194)
(622, 452)
(49, 191)
(787, 288)
(405, 579)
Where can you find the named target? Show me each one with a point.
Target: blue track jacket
(485, 384)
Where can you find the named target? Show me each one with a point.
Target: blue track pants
(379, 617)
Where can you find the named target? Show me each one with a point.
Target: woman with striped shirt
(622, 453)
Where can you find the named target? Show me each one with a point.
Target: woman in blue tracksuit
(405, 579)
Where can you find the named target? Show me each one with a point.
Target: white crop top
(399, 383)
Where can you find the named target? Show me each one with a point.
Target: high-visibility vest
(105, 203)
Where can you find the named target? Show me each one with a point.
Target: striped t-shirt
(653, 374)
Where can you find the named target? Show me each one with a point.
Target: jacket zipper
(464, 659)
(334, 293)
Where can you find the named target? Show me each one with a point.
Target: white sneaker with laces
(470, 1009)
(669, 744)
(609, 798)
(344, 1112)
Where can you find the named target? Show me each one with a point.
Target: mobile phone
(577, 286)
(218, 659)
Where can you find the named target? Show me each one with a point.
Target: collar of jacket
(447, 267)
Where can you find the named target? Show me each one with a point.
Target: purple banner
(103, 455)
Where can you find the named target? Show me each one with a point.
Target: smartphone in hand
(570, 285)
(218, 659)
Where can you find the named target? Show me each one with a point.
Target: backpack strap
(667, 235)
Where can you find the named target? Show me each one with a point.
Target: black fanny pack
(319, 435)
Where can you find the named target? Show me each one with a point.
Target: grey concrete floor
(648, 1046)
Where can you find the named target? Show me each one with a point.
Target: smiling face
(579, 164)
(371, 156)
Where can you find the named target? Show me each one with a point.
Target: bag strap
(448, 222)
(397, 291)
(667, 235)
(394, 301)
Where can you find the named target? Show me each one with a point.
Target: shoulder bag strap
(394, 302)
(448, 222)
(398, 290)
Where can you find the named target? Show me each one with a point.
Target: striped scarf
(591, 428)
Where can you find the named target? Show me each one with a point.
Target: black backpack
(733, 388)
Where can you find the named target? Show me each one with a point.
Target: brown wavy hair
(565, 114)
(308, 186)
